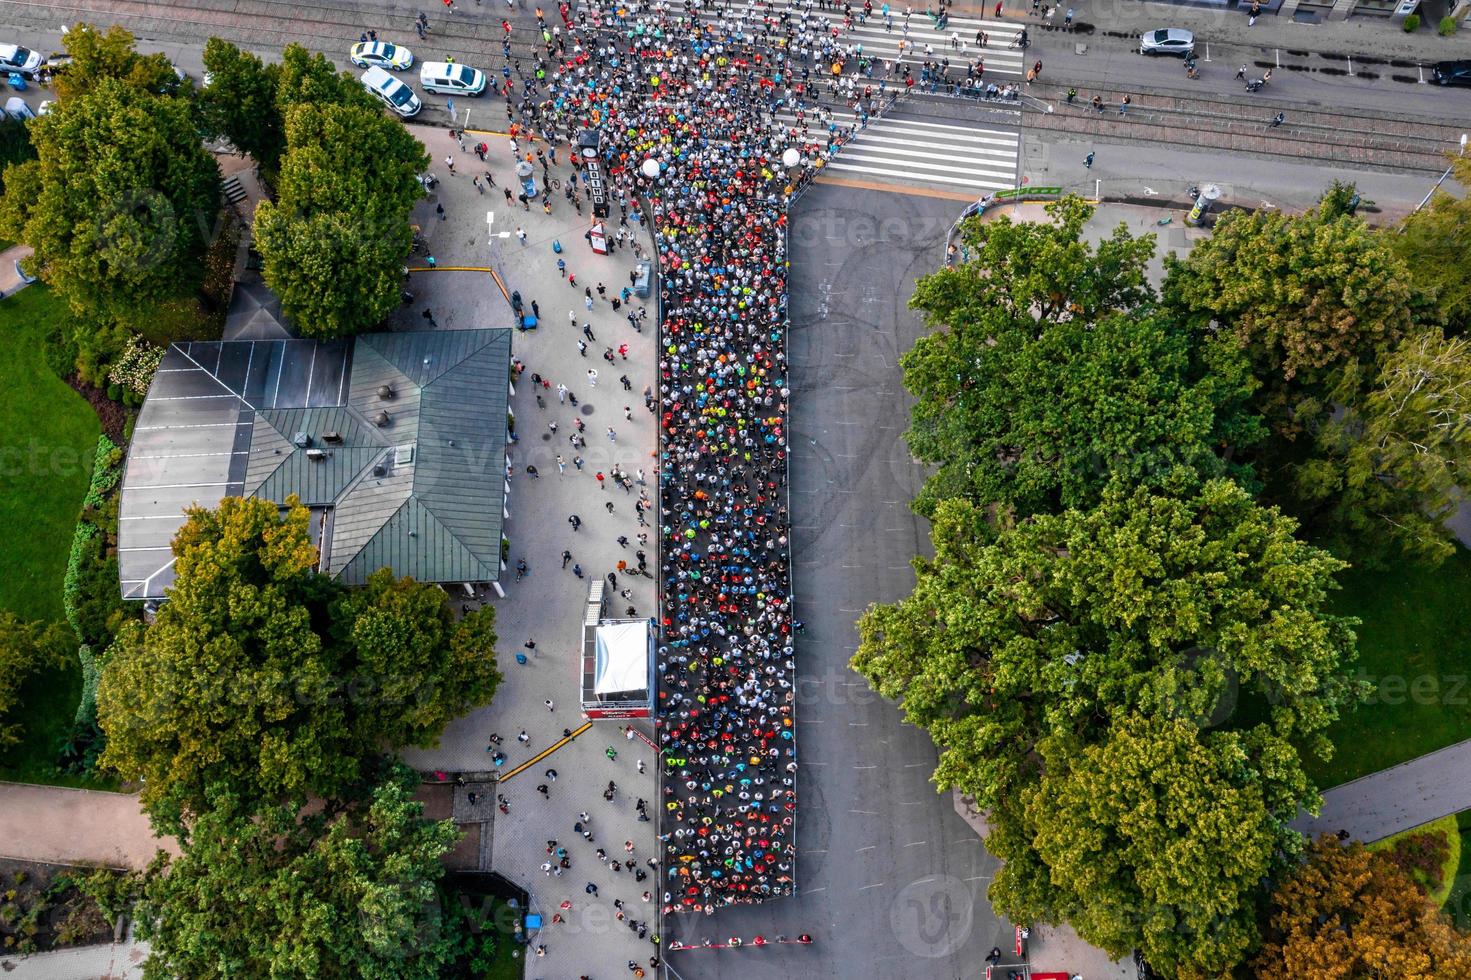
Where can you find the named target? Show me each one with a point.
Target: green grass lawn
(1415, 646)
(48, 436)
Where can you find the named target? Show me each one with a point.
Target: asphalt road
(890, 881)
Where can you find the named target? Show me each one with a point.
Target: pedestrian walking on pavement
(592, 377)
(566, 554)
(1241, 72)
(1088, 160)
(575, 521)
(611, 753)
(561, 468)
(1124, 105)
(548, 702)
(439, 210)
(449, 162)
(1278, 119)
(577, 570)
(429, 315)
(521, 234)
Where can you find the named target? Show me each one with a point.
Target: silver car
(1167, 40)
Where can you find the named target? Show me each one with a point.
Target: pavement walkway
(58, 825)
(1386, 802)
(547, 606)
(10, 280)
(113, 961)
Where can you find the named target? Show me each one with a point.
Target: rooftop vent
(316, 455)
(301, 440)
(379, 469)
(332, 438)
(403, 455)
(381, 419)
(385, 392)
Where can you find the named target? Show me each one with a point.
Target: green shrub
(60, 351)
(1412, 23)
(1447, 26)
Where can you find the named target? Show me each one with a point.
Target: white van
(16, 108)
(450, 78)
(395, 94)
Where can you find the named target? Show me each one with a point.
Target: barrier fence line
(547, 751)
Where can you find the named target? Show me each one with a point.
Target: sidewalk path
(115, 961)
(1398, 798)
(58, 825)
(10, 280)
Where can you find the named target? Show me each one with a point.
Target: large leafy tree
(240, 104)
(1400, 460)
(256, 679)
(1157, 837)
(1057, 631)
(26, 647)
(419, 668)
(334, 241)
(110, 54)
(1434, 243)
(119, 203)
(308, 78)
(335, 892)
(1349, 912)
(1317, 301)
(1050, 375)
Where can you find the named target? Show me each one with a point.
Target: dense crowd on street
(699, 108)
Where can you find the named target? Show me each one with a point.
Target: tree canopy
(110, 54)
(1058, 631)
(1330, 317)
(1434, 244)
(286, 892)
(26, 647)
(259, 678)
(1157, 837)
(1349, 912)
(333, 243)
(240, 104)
(119, 203)
(1051, 375)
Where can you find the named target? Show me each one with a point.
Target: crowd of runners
(709, 119)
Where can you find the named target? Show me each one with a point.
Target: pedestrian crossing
(1000, 55)
(951, 153)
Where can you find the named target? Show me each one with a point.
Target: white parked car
(450, 78)
(15, 58)
(381, 54)
(1167, 40)
(394, 93)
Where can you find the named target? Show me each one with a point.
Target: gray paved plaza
(547, 605)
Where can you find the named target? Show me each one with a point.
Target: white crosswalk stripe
(950, 154)
(1000, 55)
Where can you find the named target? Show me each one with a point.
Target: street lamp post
(1428, 196)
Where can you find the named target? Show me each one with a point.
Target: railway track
(1340, 137)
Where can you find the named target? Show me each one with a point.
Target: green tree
(1050, 374)
(118, 204)
(100, 55)
(1399, 455)
(260, 678)
(333, 243)
(1157, 837)
(417, 667)
(240, 104)
(231, 683)
(1315, 298)
(1348, 913)
(341, 892)
(307, 78)
(26, 647)
(1055, 632)
(1317, 301)
(1433, 244)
